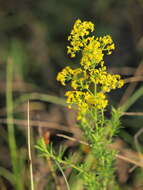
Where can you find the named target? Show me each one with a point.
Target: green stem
(60, 168)
(132, 99)
(102, 117)
(95, 110)
(11, 133)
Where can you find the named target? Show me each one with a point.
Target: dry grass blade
(29, 148)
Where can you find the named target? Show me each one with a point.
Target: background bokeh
(34, 35)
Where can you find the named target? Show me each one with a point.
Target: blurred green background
(34, 35)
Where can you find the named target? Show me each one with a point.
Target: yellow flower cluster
(76, 38)
(86, 100)
(91, 81)
(106, 81)
(107, 43)
(65, 75)
(92, 54)
(93, 49)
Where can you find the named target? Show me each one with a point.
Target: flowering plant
(90, 83)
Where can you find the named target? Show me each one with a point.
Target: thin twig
(29, 149)
(133, 113)
(132, 86)
(133, 79)
(129, 160)
(35, 123)
(72, 139)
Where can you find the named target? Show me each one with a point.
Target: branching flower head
(91, 81)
